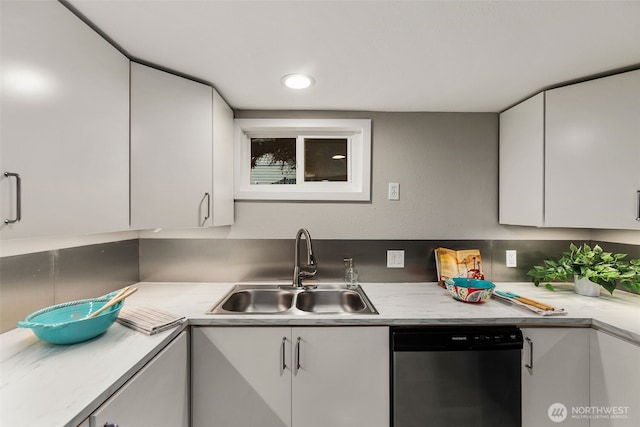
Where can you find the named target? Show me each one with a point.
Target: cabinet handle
(208, 196)
(108, 424)
(297, 355)
(283, 349)
(208, 206)
(18, 198)
(638, 213)
(530, 364)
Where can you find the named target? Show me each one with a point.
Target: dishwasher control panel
(452, 338)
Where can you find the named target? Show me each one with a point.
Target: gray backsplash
(231, 260)
(33, 281)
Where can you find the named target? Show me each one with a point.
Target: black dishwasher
(456, 376)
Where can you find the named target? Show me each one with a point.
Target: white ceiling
(480, 56)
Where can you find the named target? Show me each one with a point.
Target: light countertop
(49, 385)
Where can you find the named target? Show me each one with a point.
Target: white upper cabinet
(522, 163)
(179, 127)
(64, 125)
(571, 157)
(223, 202)
(171, 150)
(592, 154)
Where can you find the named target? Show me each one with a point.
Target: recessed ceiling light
(297, 81)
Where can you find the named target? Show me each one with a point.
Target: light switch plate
(395, 259)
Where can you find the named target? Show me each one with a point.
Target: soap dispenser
(350, 274)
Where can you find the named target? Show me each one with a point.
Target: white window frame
(356, 131)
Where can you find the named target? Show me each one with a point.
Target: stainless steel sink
(259, 301)
(289, 300)
(331, 301)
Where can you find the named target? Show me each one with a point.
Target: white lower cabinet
(156, 396)
(615, 381)
(290, 376)
(555, 376)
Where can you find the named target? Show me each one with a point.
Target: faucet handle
(308, 271)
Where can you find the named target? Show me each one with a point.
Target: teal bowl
(469, 290)
(67, 323)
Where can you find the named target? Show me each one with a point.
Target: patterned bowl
(469, 290)
(67, 323)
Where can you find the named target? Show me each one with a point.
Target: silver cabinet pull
(530, 364)
(297, 364)
(208, 196)
(638, 213)
(283, 350)
(108, 424)
(18, 198)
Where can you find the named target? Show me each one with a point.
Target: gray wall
(447, 167)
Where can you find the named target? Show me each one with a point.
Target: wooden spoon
(124, 293)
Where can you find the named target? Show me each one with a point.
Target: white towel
(148, 320)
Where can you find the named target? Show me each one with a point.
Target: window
(273, 161)
(298, 159)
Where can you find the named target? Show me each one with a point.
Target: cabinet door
(241, 377)
(342, 378)
(615, 381)
(223, 203)
(64, 124)
(522, 163)
(555, 371)
(592, 151)
(171, 150)
(155, 396)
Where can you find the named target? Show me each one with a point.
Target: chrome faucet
(311, 268)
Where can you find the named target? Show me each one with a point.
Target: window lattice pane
(273, 161)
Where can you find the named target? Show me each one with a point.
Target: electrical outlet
(395, 259)
(512, 258)
(394, 191)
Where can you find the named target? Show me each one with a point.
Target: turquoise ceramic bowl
(67, 323)
(469, 290)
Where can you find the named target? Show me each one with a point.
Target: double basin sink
(288, 300)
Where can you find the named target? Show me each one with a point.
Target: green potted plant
(581, 264)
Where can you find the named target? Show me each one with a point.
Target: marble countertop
(417, 304)
(48, 385)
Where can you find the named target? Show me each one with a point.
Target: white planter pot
(586, 287)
